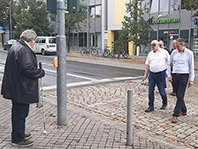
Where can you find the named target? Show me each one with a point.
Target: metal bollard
(129, 117)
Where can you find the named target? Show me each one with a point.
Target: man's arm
(146, 72)
(191, 69)
(168, 72)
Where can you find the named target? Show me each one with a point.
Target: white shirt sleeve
(148, 59)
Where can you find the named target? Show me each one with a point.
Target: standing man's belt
(158, 72)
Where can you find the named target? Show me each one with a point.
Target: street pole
(61, 70)
(10, 13)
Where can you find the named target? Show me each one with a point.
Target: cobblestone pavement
(86, 128)
(109, 100)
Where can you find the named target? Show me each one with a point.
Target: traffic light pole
(61, 70)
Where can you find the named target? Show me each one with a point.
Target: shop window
(185, 35)
(82, 39)
(75, 39)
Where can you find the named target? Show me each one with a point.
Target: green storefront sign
(165, 20)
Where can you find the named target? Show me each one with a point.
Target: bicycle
(92, 50)
(123, 53)
(107, 52)
(120, 53)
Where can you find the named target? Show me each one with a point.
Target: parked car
(45, 45)
(7, 45)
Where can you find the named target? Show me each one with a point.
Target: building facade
(90, 29)
(170, 20)
(113, 12)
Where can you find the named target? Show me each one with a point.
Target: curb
(134, 59)
(131, 59)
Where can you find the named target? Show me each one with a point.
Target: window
(40, 40)
(52, 40)
(75, 39)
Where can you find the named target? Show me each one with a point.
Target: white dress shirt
(158, 61)
(182, 63)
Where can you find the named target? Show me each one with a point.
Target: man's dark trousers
(19, 113)
(158, 78)
(180, 82)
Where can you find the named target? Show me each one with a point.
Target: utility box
(52, 6)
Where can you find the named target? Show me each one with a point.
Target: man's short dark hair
(181, 41)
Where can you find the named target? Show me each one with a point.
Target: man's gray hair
(181, 41)
(28, 35)
(155, 42)
(174, 41)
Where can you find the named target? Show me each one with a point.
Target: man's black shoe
(150, 109)
(163, 107)
(173, 94)
(24, 143)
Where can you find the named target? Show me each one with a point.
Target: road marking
(73, 75)
(48, 64)
(82, 77)
(83, 83)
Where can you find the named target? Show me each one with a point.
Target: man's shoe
(150, 109)
(174, 119)
(28, 136)
(173, 94)
(163, 107)
(183, 114)
(24, 143)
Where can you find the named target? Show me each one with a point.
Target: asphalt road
(80, 73)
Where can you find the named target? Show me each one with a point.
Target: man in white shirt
(156, 66)
(183, 74)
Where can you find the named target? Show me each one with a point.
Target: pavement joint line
(84, 83)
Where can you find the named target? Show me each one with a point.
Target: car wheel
(43, 52)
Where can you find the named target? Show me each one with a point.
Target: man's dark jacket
(20, 81)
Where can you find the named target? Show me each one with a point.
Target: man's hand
(190, 83)
(144, 77)
(170, 79)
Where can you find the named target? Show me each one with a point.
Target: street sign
(196, 21)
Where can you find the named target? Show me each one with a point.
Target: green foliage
(190, 4)
(73, 20)
(72, 23)
(32, 14)
(135, 25)
(122, 41)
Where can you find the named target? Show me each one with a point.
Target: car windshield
(52, 40)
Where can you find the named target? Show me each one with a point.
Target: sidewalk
(97, 117)
(83, 130)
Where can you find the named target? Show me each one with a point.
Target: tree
(122, 41)
(32, 14)
(72, 23)
(190, 5)
(135, 25)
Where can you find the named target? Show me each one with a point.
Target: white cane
(41, 101)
